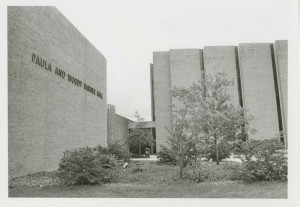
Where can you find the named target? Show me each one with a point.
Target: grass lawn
(150, 180)
(222, 189)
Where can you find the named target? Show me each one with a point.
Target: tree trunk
(180, 172)
(181, 167)
(234, 143)
(180, 161)
(140, 149)
(217, 152)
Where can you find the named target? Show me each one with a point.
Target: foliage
(165, 156)
(205, 116)
(224, 150)
(248, 148)
(156, 174)
(182, 144)
(139, 136)
(268, 163)
(205, 171)
(86, 166)
(100, 149)
(121, 151)
(136, 170)
(147, 173)
(195, 172)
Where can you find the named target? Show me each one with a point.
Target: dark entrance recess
(152, 148)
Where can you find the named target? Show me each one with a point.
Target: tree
(207, 115)
(184, 145)
(140, 135)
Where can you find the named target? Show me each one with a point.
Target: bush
(205, 171)
(224, 151)
(248, 148)
(268, 163)
(137, 170)
(140, 172)
(87, 166)
(165, 156)
(100, 149)
(195, 173)
(119, 150)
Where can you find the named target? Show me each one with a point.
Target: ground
(150, 181)
(201, 190)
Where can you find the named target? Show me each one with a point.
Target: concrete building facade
(258, 88)
(258, 70)
(56, 90)
(222, 59)
(117, 126)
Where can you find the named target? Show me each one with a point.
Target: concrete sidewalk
(152, 158)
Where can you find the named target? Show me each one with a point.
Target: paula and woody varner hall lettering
(49, 67)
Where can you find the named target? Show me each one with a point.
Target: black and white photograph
(193, 100)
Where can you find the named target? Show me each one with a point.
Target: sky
(127, 32)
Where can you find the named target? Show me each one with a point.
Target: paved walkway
(152, 158)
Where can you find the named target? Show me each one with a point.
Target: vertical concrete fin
(281, 60)
(202, 69)
(162, 96)
(152, 93)
(276, 90)
(238, 74)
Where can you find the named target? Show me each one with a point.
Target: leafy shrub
(205, 171)
(159, 174)
(119, 150)
(224, 151)
(86, 166)
(148, 173)
(136, 170)
(195, 173)
(165, 156)
(248, 148)
(100, 149)
(268, 163)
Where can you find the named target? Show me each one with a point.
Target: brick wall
(47, 114)
(184, 67)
